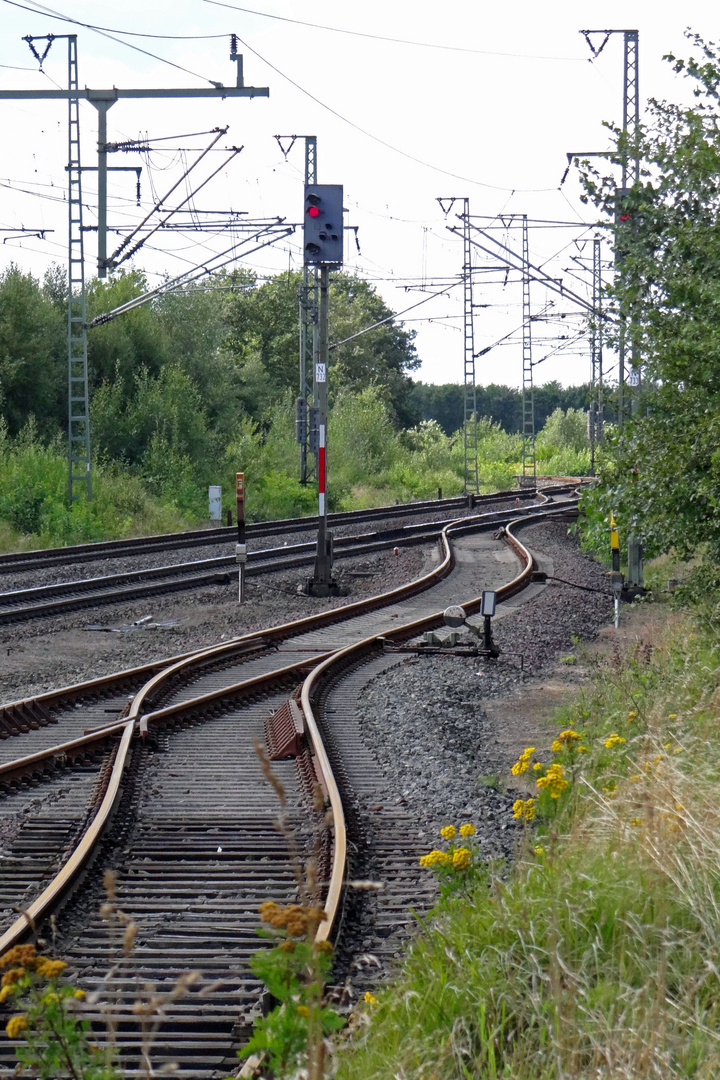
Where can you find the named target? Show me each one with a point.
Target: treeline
(186, 390)
(445, 403)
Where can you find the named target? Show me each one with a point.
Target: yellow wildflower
(24, 955)
(51, 998)
(524, 808)
(302, 1010)
(16, 1025)
(12, 976)
(461, 858)
(49, 969)
(79, 994)
(554, 781)
(672, 716)
(539, 850)
(636, 778)
(678, 750)
(369, 998)
(631, 716)
(521, 765)
(614, 740)
(636, 821)
(6, 992)
(447, 832)
(582, 749)
(566, 737)
(467, 830)
(537, 766)
(432, 858)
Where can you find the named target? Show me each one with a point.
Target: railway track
(22, 562)
(180, 809)
(45, 600)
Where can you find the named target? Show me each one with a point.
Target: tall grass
(599, 954)
(33, 499)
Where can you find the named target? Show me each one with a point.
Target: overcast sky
(472, 99)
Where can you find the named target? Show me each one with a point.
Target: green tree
(33, 354)
(118, 349)
(262, 337)
(663, 471)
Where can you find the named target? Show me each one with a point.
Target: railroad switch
(455, 616)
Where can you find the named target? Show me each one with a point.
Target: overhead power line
(395, 315)
(376, 138)
(41, 9)
(383, 37)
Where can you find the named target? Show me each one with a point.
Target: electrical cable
(393, 40)
(376, 138)
(395, 315)
(158, 204)
(41, 9)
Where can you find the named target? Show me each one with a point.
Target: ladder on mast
(78, 406)
(470, 435)
(529, 465)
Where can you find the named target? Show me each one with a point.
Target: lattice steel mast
(529, 465)
(470, 437)
(596, 423)
(630, 163)
(78, 405)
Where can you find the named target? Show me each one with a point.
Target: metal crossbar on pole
(102, 100)
(529, 465)
(470, 437)
(78, 405)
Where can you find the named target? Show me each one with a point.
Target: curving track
(21, 562)
(59, 597)
(184, 814)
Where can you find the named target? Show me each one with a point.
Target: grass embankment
(599, 955)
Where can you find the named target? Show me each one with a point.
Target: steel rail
(37, 707)
(65, 877)
(321, 664)
(22, 766)
(18, 562)
(337, 661)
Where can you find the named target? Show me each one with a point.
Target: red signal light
(313, 211)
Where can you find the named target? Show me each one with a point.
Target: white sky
(492, 123)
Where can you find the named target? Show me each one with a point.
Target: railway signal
(323, 247)
(323, 225)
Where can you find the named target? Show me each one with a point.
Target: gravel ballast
(435, 723)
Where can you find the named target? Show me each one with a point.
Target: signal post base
(324, 588)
